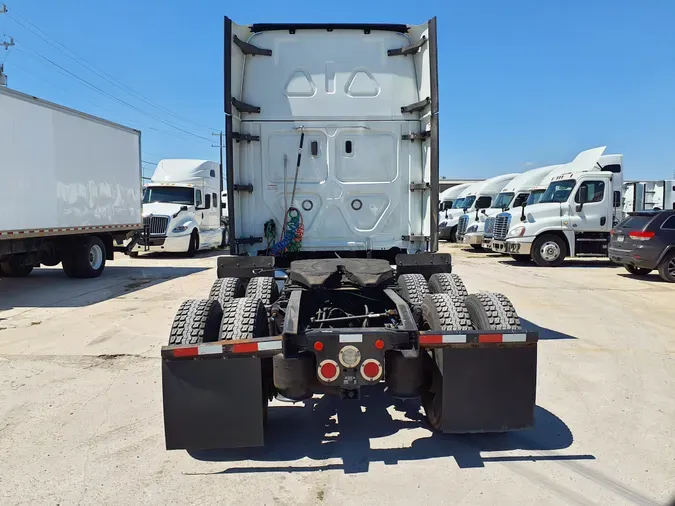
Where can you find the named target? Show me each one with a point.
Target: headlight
(471, 229)
(178, 230)
(517, 232)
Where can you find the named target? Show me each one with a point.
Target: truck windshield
(468, 202)
(535, 197)
(503, 200)
(169, 194)
(459, 203)
(559, 191)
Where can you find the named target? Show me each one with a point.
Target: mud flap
(489, 389)
(212, 404)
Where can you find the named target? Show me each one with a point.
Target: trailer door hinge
(415, 238)
(422, 136)
(248, 240)
(408, 50)
(419, 186)
(250, 49)
(244, 107)
(416, 107)
(244, 137)
(243, 188)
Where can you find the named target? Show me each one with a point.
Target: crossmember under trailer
(336, 327)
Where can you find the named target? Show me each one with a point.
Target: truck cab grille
(489, 227)
(157, 224)
(501, 226)
(463, 222)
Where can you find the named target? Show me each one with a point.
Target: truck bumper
(488, 382)
(487, 243)
(169, 244)
(474, 239)
(498, 246)
(518, 247)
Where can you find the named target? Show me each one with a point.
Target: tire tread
(449, 283)
(196, 321)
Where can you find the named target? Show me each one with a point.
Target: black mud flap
(489, 389)
(212, 404)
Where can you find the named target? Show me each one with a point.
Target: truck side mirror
(522, 212)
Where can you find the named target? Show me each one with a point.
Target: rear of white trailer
(332, 144)
(71, 187)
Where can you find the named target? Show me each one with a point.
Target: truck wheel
(224, 289)
(197, 321)
(86, 259)
(263, 288)
(440, 312)
(194, 244)
(243, 318)
(492, 311)
(549, 251)
(226, 238)
(637, 271)
(133, 254)
(413, 288)
(453, 234)
(667, 267)
(14, 268)
(447, 283)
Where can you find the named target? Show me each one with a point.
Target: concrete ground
(81, 408)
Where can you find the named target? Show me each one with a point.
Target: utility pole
(6, 45)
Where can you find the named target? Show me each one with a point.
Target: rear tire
(197, 321)
(243, 318)
(549, 251)
(637, 271)
(447, 283)
(13, 267)
(667, 267)
(413, 288)
(440, 312)
(224, 289)
(263, 288)
(492, 311)
(85, 259)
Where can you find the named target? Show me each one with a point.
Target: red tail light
(371, 370)
(328, 370)
(640, 236)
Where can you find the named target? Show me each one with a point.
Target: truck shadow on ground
(159, 255)
(46, 287)
(574, 262)
(650, 278)
(545, 334)
(327, 428)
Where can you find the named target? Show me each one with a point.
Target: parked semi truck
(477, 200)
(362, 99)
(513, 195)
(70, 190)
(574, 216)
(182, 208)
(447, 201)
(648, 195)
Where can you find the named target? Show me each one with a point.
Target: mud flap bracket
(212, 404)
(489, 389)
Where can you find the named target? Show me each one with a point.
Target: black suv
(645, 241)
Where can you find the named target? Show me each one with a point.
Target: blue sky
(523, 83)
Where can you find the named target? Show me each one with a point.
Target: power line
(92, 68)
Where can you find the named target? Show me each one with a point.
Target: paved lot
(80, 402)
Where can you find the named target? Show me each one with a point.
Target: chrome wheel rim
(550, 251)
(95, 257)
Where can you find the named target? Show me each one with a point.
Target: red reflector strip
(431, 339)
(489, 338)
(186, 352)
(245, 348)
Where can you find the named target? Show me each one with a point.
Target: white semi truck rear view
(332, 173)
(70, 187)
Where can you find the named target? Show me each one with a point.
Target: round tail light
(328, 370)
(371, 370)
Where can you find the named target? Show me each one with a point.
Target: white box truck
(70, 190)
(362, 101)
(182, 208)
